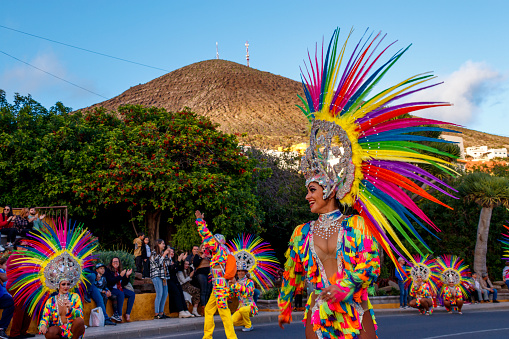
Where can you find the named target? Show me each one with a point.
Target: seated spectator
(201, 266)
(145, 254)
(21, 224)
(487, 285)
(482, 294)
(505, 273)
(35, 219)
(185, 276)
(174, 289)
(103, 293)
(117, 279)
(6, 301)
(194, 253)
(159, 263)
(7, 225)
(138, 246)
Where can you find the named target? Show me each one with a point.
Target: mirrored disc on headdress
(450, 275)
(420, 270)
(328, 159)
(62, 267)
(245, 260)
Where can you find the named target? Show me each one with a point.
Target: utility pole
(247, 53)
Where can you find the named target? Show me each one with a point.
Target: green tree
(488, 192)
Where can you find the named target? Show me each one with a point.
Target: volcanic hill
(243, 100)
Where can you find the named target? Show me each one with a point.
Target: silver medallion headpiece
(421, 270)
(62, 267)
(451, 276)
(245, 260)
(328, 159)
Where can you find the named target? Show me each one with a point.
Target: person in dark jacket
(146, 252)
(117, 279)
(403, 292)
(7, 225)
(174, 288)
(201, 265)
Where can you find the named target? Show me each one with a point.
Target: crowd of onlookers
(12, 225)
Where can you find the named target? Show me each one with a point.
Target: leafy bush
(382, 293)
(394, 291)
(127, 259)
(271, 294)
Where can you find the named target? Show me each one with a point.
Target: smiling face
(316, 202)
(146, 240)
(241, 274)
(115, 263)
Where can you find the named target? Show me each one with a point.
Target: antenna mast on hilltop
(217, 52)
(247, 53)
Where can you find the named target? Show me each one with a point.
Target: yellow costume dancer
(218, 298)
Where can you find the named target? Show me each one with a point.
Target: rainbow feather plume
(453, 262)
(505, 240)
(387, 144)
(266, 264)
(25, 273)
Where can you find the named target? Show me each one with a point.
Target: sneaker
(116, 317)
(191, 315)
(3, 335)
(108, 322)
(195, 313)
(185, 314)
(247, 329)
(158, 316)
(496, 301)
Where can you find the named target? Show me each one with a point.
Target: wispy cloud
(467, 89)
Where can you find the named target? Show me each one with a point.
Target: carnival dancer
(423, 280)
(219, 297)
(359, 156)
(454, 276)
(53, 261)
(256, 262)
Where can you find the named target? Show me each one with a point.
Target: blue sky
(463, 42)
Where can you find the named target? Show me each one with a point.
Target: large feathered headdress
(49, 256)
(453, 269)
(426, 268)
(255, 256)
(505, 241)
(364, 148)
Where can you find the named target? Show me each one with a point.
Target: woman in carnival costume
(218, 299)
(423, 280)
(256, 262)
(454, 274)
(359, 156)
(54, 260)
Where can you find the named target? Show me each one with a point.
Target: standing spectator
(117, 278)
(104, 294)
(6, 301)
(505, 273)
(185, 276)
(146, 253)
(35, 219)
(194, 253)
(487, 285)
(159, 263)
(7, 224)
(138, 245)
(201, 266)
(403, 292)
(482, 294)
(174, 288)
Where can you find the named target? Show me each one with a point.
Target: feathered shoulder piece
(365, 148)
(45, 258)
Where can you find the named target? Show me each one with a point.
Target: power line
(53, 75)
(84, 49)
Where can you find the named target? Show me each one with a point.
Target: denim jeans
(482, 294)
(96, 296)
(507, 283)
(120, 300)
(403, 293)
(256, 294)
(7, 304)
(494, 294)
(161, 294)
(205, 288)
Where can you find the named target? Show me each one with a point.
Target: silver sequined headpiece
(420, 270)
(62, 267)
(245, 260)
(450, 275)
(328, 159)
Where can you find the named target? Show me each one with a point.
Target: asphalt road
(491, 324)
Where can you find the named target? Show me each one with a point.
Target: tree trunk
(481, 246)
(152, 220)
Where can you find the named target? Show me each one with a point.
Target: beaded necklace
(328, 224)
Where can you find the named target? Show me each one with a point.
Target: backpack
(230, 268)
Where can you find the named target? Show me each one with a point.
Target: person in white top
(479, 289)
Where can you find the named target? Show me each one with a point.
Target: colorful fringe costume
(505, 241)
(219, 297)
(426, 268)
(364, 150)
(254, 256)
(453, 270)
(50, 256)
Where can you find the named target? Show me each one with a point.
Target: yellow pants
(241, 317)
(225, 315)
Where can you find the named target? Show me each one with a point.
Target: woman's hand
(333, 293)
(281, 322)
(199, 215)
(43, 329)
(129, 271)
(122, 273)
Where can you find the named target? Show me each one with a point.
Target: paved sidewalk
(142, 329)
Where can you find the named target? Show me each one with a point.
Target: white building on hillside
(482, 152)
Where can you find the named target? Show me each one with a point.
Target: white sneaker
(247, 329)
(185, 314)
(195, 312)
